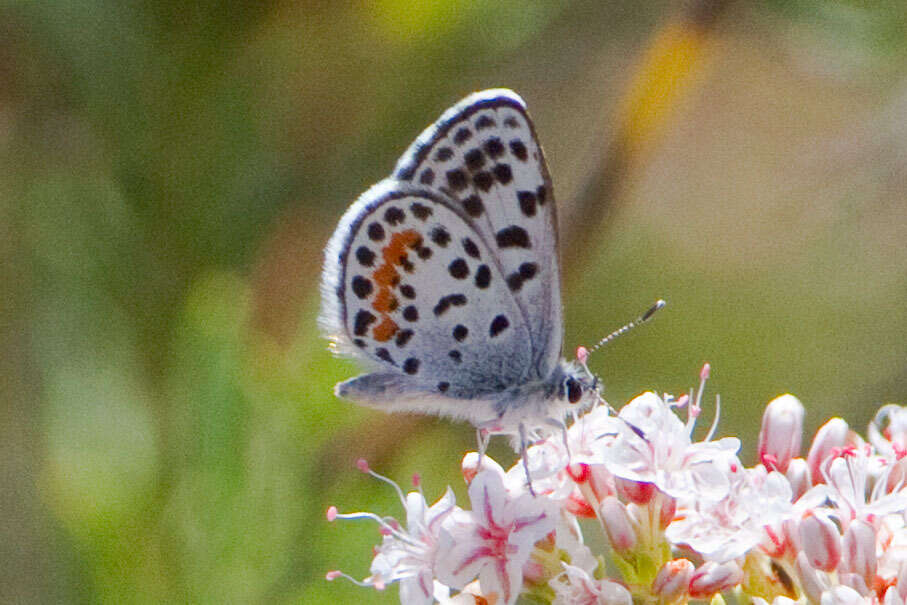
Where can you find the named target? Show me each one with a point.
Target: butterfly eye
(574, 390)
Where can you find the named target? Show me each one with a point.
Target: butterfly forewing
(418, 292)
(483, 155)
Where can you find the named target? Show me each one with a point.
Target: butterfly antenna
(636, 322)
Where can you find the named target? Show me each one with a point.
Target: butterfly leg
(524, 444)
(559, 425)
(483, 436)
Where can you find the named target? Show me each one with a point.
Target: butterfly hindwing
(483, 155)
(419, 293)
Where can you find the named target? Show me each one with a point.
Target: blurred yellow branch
(666, 72)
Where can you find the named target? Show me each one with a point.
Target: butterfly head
(578, 386)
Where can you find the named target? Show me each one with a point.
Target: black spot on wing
(394, 216)
(473, 205)
(443, 154)
(440, 236)
(420, 211)
(498, 325)
(403, 337)
(471, 248)
(445, 302)
(408, 291)
(427, 177)
(483, 180)
(462, 135)
(485, 121)
(411, 365)
(483, 277)
(458, 269)
(475, 159)
(527, 202)
(365, 256)
(503, 173)
(362, 286)
(375, 232)
(411, 313)
(513, 236)
(456, 179)
(362, 321)
(494, 147)
(460, 332)
(384, 354)
(528, 270)
(443, 386)
(518, 149)
(455, 355)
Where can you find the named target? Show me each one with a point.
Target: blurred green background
(171, 172)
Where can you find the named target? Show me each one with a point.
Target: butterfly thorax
(535, 403)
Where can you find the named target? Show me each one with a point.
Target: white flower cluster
(684, 519)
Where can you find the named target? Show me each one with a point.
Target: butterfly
(444, 279)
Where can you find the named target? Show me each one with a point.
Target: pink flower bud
(668, 508)
(332, 575)
(830, 436)
(798, 475)
(782, 428)
(859, 556)
(618, 524)
(637, 492)
(469, 467)
(705, 371)
(821, 541)
(672, 580)
(332, 513)
(713, 578)
(601, 481)
(897, 477)
(810, 581)
(578, 506)
(582, 354)
(362, 465)
(792, 534)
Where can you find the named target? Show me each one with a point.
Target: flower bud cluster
(682, 518)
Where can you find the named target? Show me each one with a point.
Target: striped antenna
(636, 322)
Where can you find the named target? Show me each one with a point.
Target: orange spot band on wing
(385, 330)
(384, 301)
(386, 278)
(396, 248)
